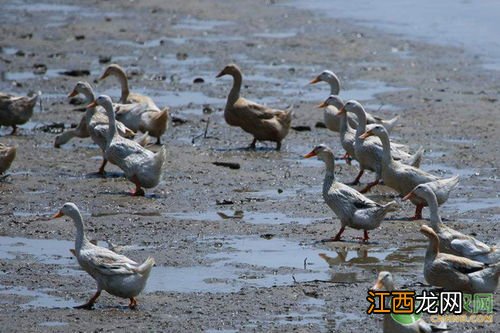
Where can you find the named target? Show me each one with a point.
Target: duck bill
(322, 105)
(408, 196)
(315, 80)
(220, 74)
(377, 285)
(73, 93)
(103, 76)
(341, 111)
(58, 214)
(311, 154)
(91, 105)
(365, 134)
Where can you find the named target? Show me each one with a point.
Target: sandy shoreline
(216, 272)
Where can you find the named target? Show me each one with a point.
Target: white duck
(141, 166)
(369, 152)
(457, 273)
(385, 282)
(329, 115)
(114, 273)
(450, 240)
(404, 178)
(97, 122)
(347, 133)
(352, 208)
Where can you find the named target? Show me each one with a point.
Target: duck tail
(160, 120)
(453, 181)
(416, 158)
(161, 160)
(143, 140)
(146, 266)
(389, 124)
(391, 206)
(287, 115)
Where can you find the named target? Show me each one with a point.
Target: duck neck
(344, 124)
(334, 85)
(89, 97)
(234, 94)
(361, 114)
(433, 248)
(122, 78)
(80, 239)
(330, 173)
(386, 147)
(112, 131)
(433, 207)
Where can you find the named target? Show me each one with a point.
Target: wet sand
(235, 249)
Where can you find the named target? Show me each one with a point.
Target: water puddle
(463, 205)
(53, 323)
(284, 34)
(49, 74)
(39, 299)
(191, 23)
(242, 216)
(43, 7)
(235, 263)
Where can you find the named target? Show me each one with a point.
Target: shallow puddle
(235, 263)
(191, 23)
(463, 205)
(39, 299)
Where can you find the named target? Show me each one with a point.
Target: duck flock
(454, 261)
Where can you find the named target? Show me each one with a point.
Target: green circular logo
(406, 318)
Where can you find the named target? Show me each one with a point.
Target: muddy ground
(235, 249)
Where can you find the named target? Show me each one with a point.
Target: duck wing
(107, 262)
(460, 264)
(470, 246)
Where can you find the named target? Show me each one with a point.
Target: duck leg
(133, 303)
(347, 158)
(90, 304)
(278, 146)
(158, 140)
(14, 130)
(138, 188)
(418, 212)
(365, 238)
(252, 145)
(101, 168)
(370, 185)
(358, 177)
(336, 238)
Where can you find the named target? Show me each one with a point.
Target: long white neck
(112, 131)
(433, 208)
(330, 172)
(122, 78)
(334, 85)
(386, 146)
(80, 239)
(89, 95)
(361, 114)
